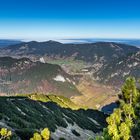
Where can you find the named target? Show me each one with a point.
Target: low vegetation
(60, 100)
(5, 134)
(70, 65)
(43, 135)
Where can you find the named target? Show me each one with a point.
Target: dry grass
(94, 95)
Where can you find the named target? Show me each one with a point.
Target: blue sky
(52, 19)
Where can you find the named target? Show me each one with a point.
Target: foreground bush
(5, 134)
(44, 135)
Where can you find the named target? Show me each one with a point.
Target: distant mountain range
(99, 66)
(135, 42)
(89, 52)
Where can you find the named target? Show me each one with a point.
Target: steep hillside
(25, 76)
(25, 116)
(93, 94)
(118, 70)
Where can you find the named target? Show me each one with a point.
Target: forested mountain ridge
(24, 116)
(89, 52)
(25, 76)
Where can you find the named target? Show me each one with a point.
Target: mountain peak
(54, 42)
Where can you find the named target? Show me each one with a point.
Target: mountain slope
(24, 116)
(25, 76)
(118, 70)
(106, 63)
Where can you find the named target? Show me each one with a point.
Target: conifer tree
(5, 134)
(44, 135)
(125, 120)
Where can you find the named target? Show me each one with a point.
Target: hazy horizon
(134, 42)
